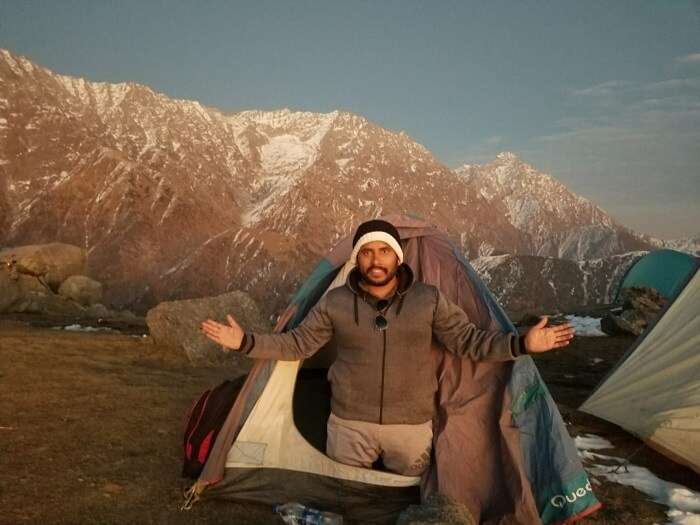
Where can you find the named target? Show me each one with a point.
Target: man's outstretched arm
(300, 343)
(459, 335)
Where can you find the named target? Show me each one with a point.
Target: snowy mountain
(172, 199)
(554, 221)
(690, 245)
(533, 284)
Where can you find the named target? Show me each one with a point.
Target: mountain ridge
(172, 199)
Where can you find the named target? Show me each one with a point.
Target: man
(383, 381)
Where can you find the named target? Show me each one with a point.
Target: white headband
(377, 236)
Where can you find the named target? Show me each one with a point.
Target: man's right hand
(227, 336)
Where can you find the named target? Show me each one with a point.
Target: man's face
(377, 263)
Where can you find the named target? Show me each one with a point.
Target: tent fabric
(500, 445)
(664, 270)
(654, 391)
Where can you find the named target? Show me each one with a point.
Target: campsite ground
(90, 429)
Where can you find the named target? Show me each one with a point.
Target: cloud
(604, 89)
(601, 93)
(673, 83)
(692, 58)
(641, 148)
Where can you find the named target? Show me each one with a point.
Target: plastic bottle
(294, 513)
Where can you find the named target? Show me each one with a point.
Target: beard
(380, 281)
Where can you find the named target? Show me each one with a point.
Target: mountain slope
(555, 221)
(172, 199)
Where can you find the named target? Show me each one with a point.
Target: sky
(604, 96)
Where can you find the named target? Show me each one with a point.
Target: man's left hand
(540, 339)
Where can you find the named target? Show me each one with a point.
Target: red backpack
(203, 423)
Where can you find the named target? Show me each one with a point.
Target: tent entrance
(312, 406)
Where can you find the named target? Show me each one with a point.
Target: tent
(664, 270)
(654, 391)
(500, 444)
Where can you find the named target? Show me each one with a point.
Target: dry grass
(90, 430)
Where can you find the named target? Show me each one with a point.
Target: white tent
(654, 392)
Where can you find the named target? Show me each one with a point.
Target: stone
(52, 305)
(438, 509)
(641, 306)
(81, 289)
(98, 311)
(176, 324)
(621, 324)
(648, 302)
(111, 488)
(10, 292)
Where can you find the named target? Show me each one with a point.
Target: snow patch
(506, 156)
(81, 328)
(586, 326)
(683, 503)
(370, 182)
(26, 65)
(591, 442)
(522, 210)
(489, 262)
(11, 61)
(285, 153)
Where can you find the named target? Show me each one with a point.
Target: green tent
(666, 271)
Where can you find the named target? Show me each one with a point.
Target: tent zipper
(381, 399)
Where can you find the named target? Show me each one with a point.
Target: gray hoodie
(384, 376)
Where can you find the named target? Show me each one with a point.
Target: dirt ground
(91, 425)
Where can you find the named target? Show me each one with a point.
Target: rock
(49, 304)
(111, 488)
(641, 306)
(125, 315)
(176, 324)
(618, 324)
(17, 288)
(437, 509)
(634, 321)
(9, 291)
(52, 262)
(648, 302)
(99, 311)
(81, 289)
(608, 324)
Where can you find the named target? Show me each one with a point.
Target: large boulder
(53, 262)
(18, 290)
(176, 324)
(81, 289)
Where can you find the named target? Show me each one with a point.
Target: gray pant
(405, 449)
